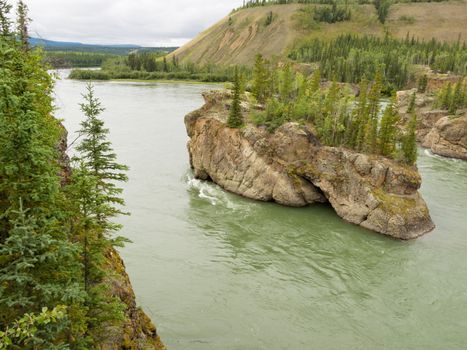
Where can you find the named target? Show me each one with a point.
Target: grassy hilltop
(274, 29)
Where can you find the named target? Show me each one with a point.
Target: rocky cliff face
(290, 167)
(138, 332)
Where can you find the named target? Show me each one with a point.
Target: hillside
(238, 37)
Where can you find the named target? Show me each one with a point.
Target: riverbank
(104, 75)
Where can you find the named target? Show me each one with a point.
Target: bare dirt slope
(237, 38)
(441, 20)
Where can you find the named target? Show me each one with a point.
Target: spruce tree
(447, 97)
(457, 100)
(42, 269)
(98, 166)
(388, 130)
(422, 83)
(314, 82)
(5, 22)
(95, 151)
(22, 24)
(330, 113)
(235, 119)
(360, 117)
(97, 198)
(286, 82)
(371, 127)
(409, 142)
(260, 79)
(411, 107)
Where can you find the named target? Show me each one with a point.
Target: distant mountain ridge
(51, 45)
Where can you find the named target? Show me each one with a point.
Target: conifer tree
(360, 117)
(371, 127)
(411, 107)
(5, 22)
(42, 270)
(409, 142)
(422, 83)
(286, 81)
(22, 24)
(388, 130)
(330, 113)
(95, 151)
(100, 168)
(447, 97)
(315, 82)
(260, 79)
(97, 197)
(235, 119)
(458, 98)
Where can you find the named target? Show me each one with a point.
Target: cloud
(143, 22)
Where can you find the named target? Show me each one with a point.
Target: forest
(76, 59)
(156, 66)
(57, 224)
(348, 57)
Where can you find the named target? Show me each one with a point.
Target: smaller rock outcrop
(437, 130)
(448, 137)
(290, 167)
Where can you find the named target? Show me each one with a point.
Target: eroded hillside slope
(237, 38)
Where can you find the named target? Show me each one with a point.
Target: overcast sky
(141, 22)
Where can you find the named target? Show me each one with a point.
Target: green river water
(217, 271)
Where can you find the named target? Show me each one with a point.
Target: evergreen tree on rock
(235, 119)
(409, 142)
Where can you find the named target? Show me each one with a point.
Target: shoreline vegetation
(89, 56)
(62, 282)
(101, 75)
(155, 66)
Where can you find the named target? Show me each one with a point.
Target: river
(217, 271)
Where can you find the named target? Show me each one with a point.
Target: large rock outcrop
(290, 167)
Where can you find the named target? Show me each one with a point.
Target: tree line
(350, 57)
(340, 119)
(452, 97)
(56, 226)
(153, 66)
(76, 59)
